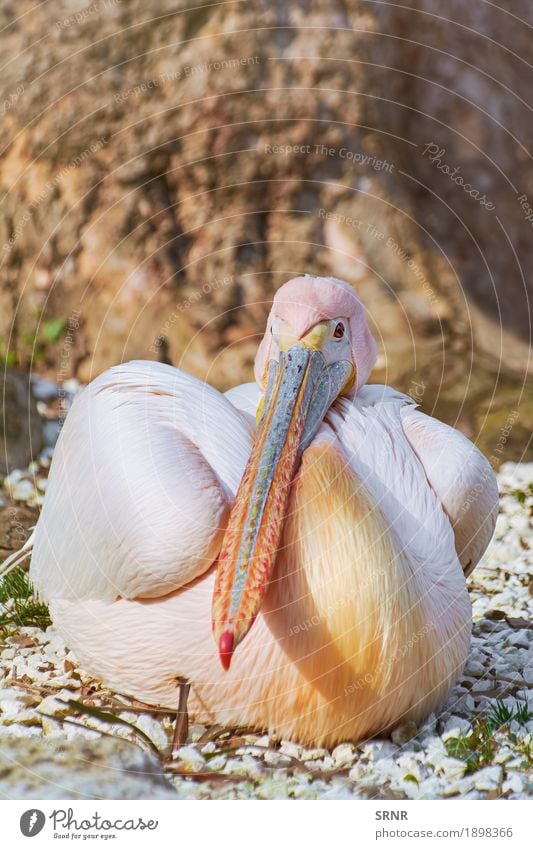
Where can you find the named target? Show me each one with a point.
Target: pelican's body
(363, 621)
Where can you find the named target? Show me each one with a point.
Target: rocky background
(163, 170)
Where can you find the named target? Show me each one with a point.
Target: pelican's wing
(430, 481)
(372, 437)
(246, 398)
(461, 477)
(140, 486)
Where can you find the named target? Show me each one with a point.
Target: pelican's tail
(18, 557)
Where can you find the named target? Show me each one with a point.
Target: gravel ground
(480, 745)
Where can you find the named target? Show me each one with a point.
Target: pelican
(295, 549)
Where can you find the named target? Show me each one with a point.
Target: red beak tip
(225, 648)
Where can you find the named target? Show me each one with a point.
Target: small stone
(339, 793)
(51, 431)
(429, 724)
(190, 758)
(54, 641)
(404, 732)
(13, 478)
(274, 758)
(513, 783)
(217, 763)
(247, 767)
(455, 727)
(519, 639)
(505, 754)
(71, 385)
(469, 703)
(273, 788)
(474, 669)
(343, 755)
(451, 768)
(435, 751)
(459, 787)
(45, 458)
(488, 778)
(383, 751)
(314, 754)
(290, 749)
(196, 731)
(253, 767)
(50, 727)
(11, 707)
(520, 522)
(482, 686)
(10, 694)
(43, 389)
(8, 654)
(22, 491)
(53, 707)
(515, 763)
(153, 728)
(304, 791)
(410, 766)
(490, 627)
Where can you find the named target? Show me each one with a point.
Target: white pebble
(8, 654)
(403, 733)
(455, 727)
(513, 783)
(190, 757)
(290, 749)
(488, 778)
(343, 755)
(154, 729)
(22, 491)
(451, 768)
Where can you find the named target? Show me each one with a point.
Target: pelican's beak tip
(226, 645)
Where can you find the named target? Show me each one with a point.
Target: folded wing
(141, 484)
(461, 477)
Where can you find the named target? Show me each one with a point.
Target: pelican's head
(317, 347)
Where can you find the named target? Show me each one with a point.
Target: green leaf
(53, 329)
(10, 358)
(28, 339)
(18, 603)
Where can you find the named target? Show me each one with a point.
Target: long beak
(301, 387)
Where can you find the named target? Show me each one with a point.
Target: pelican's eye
(339, 331)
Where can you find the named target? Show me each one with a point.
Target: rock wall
(163, 170)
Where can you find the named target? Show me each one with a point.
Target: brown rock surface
(20, 426)
(152, 186)
(16, 520)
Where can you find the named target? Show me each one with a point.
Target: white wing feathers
(382, 428)
(461, 477)
(140, 487)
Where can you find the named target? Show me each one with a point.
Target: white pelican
(341, 528)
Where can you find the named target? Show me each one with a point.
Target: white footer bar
(268, 825)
